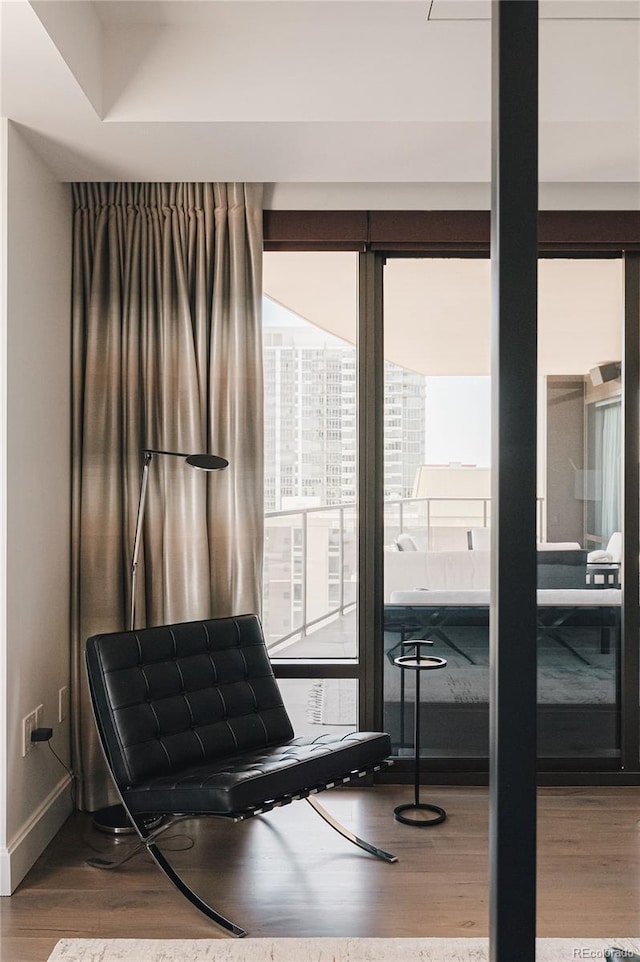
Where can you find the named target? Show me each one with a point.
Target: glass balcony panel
(311, 450)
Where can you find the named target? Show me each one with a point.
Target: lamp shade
(207, 462)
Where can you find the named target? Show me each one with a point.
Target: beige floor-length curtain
(167, 354)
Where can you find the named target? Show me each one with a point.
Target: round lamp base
(115, 821)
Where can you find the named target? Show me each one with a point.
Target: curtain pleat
(167, 354)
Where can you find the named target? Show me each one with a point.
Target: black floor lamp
(113, 820)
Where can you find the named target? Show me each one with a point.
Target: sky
(459, 420)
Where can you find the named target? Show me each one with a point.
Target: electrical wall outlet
(63, 703)
(29, 724)
(39, 716)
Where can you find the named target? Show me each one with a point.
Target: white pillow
(599, 555)
(614, 546)
(406, 543)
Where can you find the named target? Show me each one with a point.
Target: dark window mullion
(370, 486)
(629, 658)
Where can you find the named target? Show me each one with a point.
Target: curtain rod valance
(440, 230)
(147, 194)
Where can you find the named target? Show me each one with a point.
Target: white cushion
(481, 540)
(435, 569)
(558, 546)
(611, 554)
(425, 596)
(560, 597)
(405, 542)
(598, 555)
(614, 546)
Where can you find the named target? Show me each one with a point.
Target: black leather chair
(191, 721)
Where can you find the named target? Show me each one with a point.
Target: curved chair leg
(346, 833)
(182, 887)
(148, 841)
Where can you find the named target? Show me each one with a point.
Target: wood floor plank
(288, 874)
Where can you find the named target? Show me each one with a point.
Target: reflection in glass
(604, 448)
(580, 478)
(437, 558)
(437, 325)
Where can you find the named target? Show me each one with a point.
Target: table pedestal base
(419, 822)
(418, 663)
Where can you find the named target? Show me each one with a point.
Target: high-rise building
(311, 421)
(311, 451)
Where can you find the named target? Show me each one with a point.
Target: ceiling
(349, 94)
(312, 91)
(437, 311)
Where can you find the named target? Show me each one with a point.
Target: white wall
(35, 373)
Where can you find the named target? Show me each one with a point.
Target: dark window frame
(445, 233)
(563, 234)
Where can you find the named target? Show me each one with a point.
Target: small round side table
(418, 662)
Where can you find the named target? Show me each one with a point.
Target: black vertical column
(512, 814)
(370, 484)
(630, 655)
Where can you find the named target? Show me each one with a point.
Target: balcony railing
(311, 559)
(307, 547)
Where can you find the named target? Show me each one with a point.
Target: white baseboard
(34, 836)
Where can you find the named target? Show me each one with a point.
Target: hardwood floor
(289, 874)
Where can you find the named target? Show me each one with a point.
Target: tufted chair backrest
(172, 696)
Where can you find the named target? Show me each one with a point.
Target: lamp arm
(204, 462)
(137, 537)
(173, 454)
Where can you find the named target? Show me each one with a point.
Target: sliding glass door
(437, 506)
(580, 460)
(410, 409)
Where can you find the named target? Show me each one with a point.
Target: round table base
(419, 822)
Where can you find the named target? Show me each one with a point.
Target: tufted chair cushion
(192, 720)
(240, 782)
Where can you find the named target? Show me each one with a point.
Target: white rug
(321, 950)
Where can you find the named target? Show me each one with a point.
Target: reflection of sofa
(562, 569)
(479, 539)
(470, 570)
(432, 613)
(547, 598)
(404, 570)
(578, 670)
